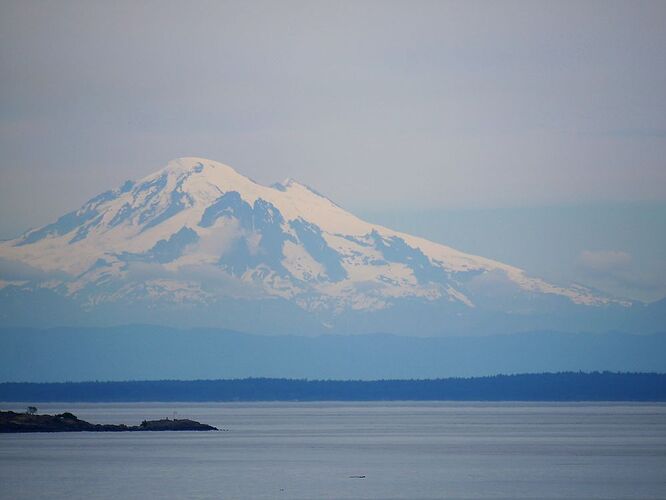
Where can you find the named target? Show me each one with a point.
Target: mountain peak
(198, 233)
(197, 165)
(289, 182)
(201, 180)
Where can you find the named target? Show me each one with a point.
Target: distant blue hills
(143, 352)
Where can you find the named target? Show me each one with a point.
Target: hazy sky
(382, 106)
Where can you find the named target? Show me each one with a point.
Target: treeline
(569, 386)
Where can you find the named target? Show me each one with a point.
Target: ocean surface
(347, 451)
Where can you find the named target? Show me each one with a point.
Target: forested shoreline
(566, 386)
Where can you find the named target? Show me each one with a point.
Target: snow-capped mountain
(197, 235)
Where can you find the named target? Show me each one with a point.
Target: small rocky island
(11, 422)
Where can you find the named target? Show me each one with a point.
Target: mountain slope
(197, 234)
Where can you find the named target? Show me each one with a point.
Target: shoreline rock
(12, 422)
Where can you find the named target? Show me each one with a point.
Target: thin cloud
(613, 269)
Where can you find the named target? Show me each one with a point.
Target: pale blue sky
(495, 108)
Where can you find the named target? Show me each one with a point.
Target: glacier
(198, 244)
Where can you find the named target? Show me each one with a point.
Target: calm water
(300, 450)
